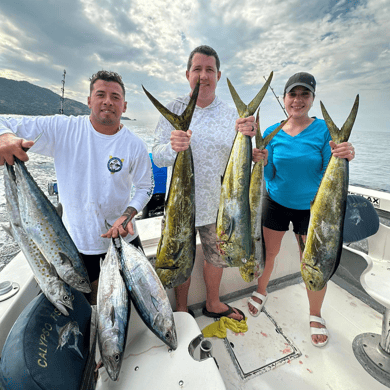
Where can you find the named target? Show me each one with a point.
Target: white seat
(372, 350)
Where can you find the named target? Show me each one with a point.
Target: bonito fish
(177, 246)
(113, 312)
(234, 219)
(321, 256)
(148, 294)
(255, 266)
(44, 226)
(55, 289)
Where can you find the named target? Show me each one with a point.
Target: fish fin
(112, 315)
(76, 348)
(230, 228)
(348, 124)
(179, 122)
(171, 268)
(155, 302)
(248, 110)
(64, 258)
(35, 140)
(107, 225)
(59, 209)
(258, 137)
(252, 106)
(301, 243)
(269, 137)
(240, 105)
(8, 229)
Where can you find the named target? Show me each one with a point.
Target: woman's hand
(343, 150)
(258, 155)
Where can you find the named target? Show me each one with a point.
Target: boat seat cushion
(361, 219)
(34, 355)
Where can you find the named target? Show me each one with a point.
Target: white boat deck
(332, 367)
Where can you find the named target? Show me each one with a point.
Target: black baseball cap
(304, 79)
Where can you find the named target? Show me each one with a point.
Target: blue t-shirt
(296, 164)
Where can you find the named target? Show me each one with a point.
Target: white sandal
(318, 331)
(257, 305)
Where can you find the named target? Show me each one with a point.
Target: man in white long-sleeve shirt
(211, 136)
(97, 160)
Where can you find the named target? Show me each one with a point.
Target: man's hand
(118, 229)
(246, 126)
(10, 146)
(180, 140)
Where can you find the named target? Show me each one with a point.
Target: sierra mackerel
(323, 246)
(44, 226)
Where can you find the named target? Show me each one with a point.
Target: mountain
(24, 98)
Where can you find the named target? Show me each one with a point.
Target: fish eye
(168, 336)
(66, 298)
(117, 357)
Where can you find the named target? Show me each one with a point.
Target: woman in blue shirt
(295, 161)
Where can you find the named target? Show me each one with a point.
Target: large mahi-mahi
(234, 220)
(255, 266)
(323, 246)
(177, 246)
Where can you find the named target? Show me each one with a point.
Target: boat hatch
(263, 348)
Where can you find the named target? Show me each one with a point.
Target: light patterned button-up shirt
(212, 138)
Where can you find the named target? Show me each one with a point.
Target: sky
(344, 44)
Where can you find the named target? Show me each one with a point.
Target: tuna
(323, 246)
(45, 228)
(55, 289)
(177, 246)
(255, 266)
(113, 312)
(234, 217)
(147, 293)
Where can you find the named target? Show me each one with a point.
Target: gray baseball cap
(304, 79)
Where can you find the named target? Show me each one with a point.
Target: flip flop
(230, 310)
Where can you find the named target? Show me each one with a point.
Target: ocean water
(370, 168)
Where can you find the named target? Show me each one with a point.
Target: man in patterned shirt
(211, 136)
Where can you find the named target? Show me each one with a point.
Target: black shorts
(278, 217)
(92, 262)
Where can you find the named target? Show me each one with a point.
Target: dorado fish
(234, 219)
(55, 289)
(148, 294)
(44, 226)
(113, 312)
(177, 246)
(323, 246)
(255, 266)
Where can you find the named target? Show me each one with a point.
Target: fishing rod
(277, 98)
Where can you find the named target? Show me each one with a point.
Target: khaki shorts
(208, 239)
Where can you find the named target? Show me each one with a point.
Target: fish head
(165, 327)
(313, 277)
(112, 359)
(73, 278)
(59, 296)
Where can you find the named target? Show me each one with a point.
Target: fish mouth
(60, 306)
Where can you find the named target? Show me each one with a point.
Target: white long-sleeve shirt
(95, 173)
(211, 141)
